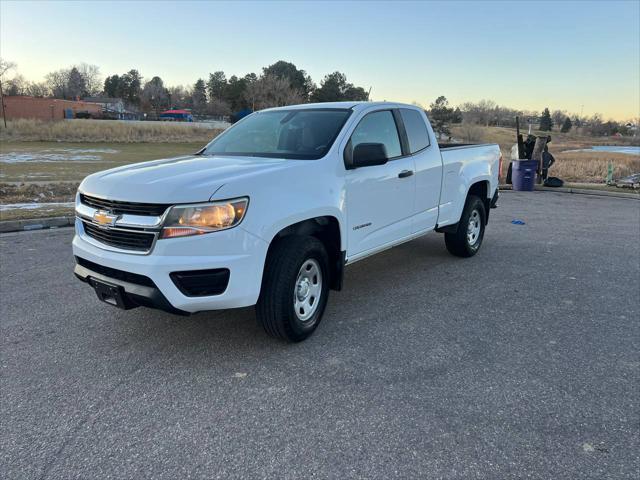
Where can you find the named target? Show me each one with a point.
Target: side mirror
(369, 154)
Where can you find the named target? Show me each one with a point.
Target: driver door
(379, 199)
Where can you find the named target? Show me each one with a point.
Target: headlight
(199, 218)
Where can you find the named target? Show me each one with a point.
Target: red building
(46, 108)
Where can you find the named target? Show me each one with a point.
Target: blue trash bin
(523, 175)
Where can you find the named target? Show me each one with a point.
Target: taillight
(500, 167)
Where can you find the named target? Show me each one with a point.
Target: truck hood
(193, 178)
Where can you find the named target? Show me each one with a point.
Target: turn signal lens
(187, 220)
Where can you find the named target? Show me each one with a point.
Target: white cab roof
(340, 105)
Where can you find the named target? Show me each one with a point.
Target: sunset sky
(563, 55)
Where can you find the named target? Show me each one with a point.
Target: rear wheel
(295, 288)
(467, 239)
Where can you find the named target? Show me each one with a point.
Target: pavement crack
(89, 418)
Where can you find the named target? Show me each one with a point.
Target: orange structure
(46, 108)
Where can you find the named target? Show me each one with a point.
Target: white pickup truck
(273, 209)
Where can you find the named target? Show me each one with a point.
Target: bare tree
(272, 91)
(92, 78)
(57, 82)
(218, 107)
(5, 66)
(15, 86)
(180, 96)
(38, 89)
(558, 117)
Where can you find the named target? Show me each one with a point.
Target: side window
(417, 132)
(378, 127)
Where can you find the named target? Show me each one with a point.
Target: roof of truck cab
(337, 105)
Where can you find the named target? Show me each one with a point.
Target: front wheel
(295, 288)
(467, 239)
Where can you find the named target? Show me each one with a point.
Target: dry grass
(105, 131)
(470, 133)
(38, 193)
(108, 155)
(591, 167)
(51, 196)
(571, 166)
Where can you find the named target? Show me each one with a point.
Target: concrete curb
(580, 191)
(35, 224)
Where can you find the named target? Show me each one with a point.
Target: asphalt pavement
(522, 362)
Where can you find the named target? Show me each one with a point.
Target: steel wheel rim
(473, 228)
(307, 290)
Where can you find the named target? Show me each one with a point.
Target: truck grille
(125, 239)
(119, 208)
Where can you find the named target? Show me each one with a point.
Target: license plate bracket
(110, 293)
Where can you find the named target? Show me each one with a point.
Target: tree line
(279, 84)
(488, 113)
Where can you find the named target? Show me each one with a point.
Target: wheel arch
(325, 228)
(481, 189)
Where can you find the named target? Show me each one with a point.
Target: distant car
(176, 116)
(273, 209)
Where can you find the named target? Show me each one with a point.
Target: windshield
(305, 134)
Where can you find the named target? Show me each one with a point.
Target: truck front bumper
(147, 280)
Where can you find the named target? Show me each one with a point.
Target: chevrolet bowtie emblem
(105, 218)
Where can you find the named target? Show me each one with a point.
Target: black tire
(458, 243)
(275, 308)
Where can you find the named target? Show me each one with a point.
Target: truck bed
(444, 146)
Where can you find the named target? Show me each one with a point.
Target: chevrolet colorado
(271, 211)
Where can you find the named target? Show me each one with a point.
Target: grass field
(59, 161)
(46, 173)
(99, 131)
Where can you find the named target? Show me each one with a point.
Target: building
(111, 107)
(19, 106)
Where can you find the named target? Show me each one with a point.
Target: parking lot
(521, 362)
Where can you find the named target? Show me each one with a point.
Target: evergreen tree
(131, 87)
(335, 88)
(113, 86)
(566, 126)
(199, 97)
(235, 93)
(441, 115)
(76, 85)
(216, 85)
(546, 122)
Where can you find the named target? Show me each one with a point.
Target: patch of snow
(23, 157)
(33, 206)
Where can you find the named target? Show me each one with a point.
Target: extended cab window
(416, 128)
(378, 127)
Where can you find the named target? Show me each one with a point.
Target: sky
(578, 56)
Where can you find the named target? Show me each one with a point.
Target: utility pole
(4, 115)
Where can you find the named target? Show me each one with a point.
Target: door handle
(405, 173)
